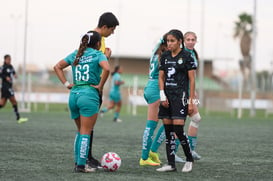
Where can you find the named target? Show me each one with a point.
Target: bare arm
(58, 68)
(161, 80)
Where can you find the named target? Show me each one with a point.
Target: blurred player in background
(106, 26)
(115, 95)
(151, 95)
(176, 76)
(90, 70)
(7, 74)
(190, 39)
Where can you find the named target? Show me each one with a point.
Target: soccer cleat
(166, 168)
(179, 159)
(148, 162)
(117, 120)
(86, 169)
(22, 120)
(187, 167)
(195, 155)
(94, 163)
(154, 156)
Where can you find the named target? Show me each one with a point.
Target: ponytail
(90, 39)
(81, 50)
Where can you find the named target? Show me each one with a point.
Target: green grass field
(42, 148)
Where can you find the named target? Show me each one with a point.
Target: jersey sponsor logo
(171, 84)
(171, 71)
(86, 59)
(83, 148)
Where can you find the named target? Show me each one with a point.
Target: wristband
(162, 96)
(66, 84)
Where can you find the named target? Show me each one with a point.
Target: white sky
(55, 27)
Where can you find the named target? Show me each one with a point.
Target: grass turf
(42, 148)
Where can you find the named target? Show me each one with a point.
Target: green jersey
(153, 70)
(114, 86)
(88, 70)
(193, 56)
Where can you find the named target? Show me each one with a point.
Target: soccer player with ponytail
(151, 95)
(90, 70)
(176, 76)
(190, 39)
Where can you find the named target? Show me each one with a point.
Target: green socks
(159, 138)
(83, 148)
(147, 138)
(116, 115)
(192, 141)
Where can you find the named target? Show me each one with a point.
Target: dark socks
(170, 144)
(15, 109)
(90, 145)
(179, 131)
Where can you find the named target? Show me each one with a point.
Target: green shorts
(85, 103)
(115, 96)
(151, 92)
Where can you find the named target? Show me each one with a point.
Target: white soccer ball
(110, 161)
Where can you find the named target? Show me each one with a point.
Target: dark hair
(6, 56)
(108, 19)
(90, 39)
(177, 34)
(115, 69)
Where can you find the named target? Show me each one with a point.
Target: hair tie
(89, 36)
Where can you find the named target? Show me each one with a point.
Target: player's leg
(77, 139)
(86, 125)
(118, 105)
(158, 140)
(151, 124)
(3, 102)
(193, 130)
(170, 146)
(179, 131)
(110, 106)
(15, 109)
(4, 97)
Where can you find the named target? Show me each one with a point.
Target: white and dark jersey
(176, 69)
(7, 71)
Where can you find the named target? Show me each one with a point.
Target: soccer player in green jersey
(151, 95)
(190, 41)
(115, 95)
(90, 71)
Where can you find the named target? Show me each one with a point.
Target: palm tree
(243, 30)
